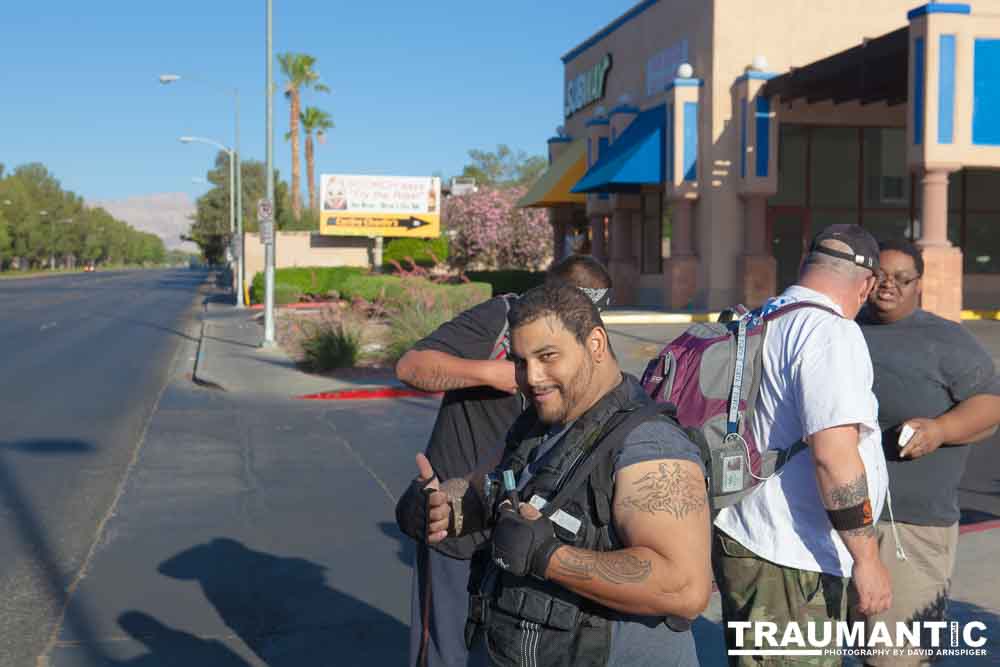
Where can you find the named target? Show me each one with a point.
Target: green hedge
(396, 290)
(352, 282)
(308, 280)
(418, 249)
(285, 294)
(510, 281)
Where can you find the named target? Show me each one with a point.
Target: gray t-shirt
(641, 641)
(925, 366)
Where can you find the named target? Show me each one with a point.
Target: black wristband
(852, 518)
(411, 510)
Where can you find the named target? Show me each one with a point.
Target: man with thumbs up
(465, 358)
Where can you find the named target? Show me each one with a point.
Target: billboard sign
(354, 205)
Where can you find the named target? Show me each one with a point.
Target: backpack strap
(787, 308)
(773, 459)
(501, 346)
(768, 463)
(612, 437)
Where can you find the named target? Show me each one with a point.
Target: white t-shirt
(817, 374)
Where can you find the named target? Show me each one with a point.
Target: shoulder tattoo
(671, 489)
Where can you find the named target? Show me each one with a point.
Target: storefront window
(791, 167)
(982, 242)
(888, 225)
(652, 233)
(982, 188)
(823, 219)
(887, 178)
(954, 190)
(833, 167)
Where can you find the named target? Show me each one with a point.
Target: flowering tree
(486, 230)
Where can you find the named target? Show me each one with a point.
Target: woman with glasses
(937, 393)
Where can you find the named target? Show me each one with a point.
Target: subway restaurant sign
(354, 205)
(587, 87)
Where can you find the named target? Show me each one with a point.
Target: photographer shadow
(284, 610)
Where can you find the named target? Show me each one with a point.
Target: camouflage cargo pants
(755, 590)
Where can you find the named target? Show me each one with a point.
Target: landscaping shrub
(316, 280)
(333, 343)
(421, 250)
(487, 230)
(510, 281)
(421, 307)
(395, 291)
(285, 294)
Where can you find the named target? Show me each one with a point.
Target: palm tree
(299, 74)
(318, 121)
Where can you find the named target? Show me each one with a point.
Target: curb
(197, 364)
(980, 527)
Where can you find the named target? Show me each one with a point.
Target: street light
(166, 79)
(232, 171)
(269, 249)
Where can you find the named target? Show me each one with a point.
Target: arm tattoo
(614, 567)
(853, 493)
(671, 490)
(434, 379)
(850, 494)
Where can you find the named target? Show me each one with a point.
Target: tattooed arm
(842, 481)
(661, 515)
(430, 370)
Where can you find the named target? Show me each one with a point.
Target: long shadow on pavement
(167, 646)
(32, 533)
(407, 547)
(283, 609)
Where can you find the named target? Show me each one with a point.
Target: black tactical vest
(531, 622)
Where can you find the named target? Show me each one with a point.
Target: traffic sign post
(265, 222)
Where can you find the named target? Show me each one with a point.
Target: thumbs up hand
(438, 508)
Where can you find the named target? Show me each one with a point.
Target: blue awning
(634, 159)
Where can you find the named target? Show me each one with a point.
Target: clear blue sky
(415, 85)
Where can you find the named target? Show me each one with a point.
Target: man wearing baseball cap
(787, 552)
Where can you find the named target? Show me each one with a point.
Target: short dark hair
(580, 271)
(907, 248)
(570, 305)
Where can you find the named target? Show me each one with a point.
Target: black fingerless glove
(411, 511)
(524, 546)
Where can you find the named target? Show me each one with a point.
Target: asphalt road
(85, 358)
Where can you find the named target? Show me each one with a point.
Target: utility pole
(239, 206)
(269, 140)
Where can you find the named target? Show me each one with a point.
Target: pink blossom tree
(486, 230)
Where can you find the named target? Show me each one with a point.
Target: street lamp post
(269, 141)
(232, 180)
(234, 184)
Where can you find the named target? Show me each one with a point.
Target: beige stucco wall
(302, 249)
(663, 25)
(787, 33)
(723, 38)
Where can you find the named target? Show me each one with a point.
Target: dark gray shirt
(924, 366)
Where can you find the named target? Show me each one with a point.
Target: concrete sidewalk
(231, 357)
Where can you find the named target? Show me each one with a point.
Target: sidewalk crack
(361, 461)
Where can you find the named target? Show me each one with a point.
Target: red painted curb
(980, 527)
(293, 306)
(365, 394)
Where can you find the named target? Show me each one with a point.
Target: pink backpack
(711, 373)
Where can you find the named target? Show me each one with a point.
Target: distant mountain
(166, 214)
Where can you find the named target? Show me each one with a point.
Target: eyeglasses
(899, 279)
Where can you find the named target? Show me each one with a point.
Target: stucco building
(738, 129)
